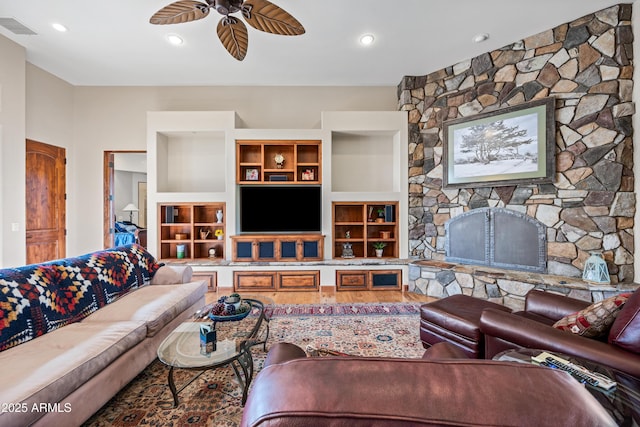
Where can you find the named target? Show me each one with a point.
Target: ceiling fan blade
(179, 12)
(266, 16)
(234, 37)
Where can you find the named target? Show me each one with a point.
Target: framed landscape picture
(509, 146)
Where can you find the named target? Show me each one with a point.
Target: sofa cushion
(625, 331)
(47, 369)
(595, 320)
(155, 305)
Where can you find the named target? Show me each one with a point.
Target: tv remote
(581, 373)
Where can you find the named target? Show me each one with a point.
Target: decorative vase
(220, 237)
(181, 251)
(379, 253)
(595, 269)
(219, 215)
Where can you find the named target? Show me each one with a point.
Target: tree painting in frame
(510, 146)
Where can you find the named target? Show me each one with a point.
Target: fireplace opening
(497, 237)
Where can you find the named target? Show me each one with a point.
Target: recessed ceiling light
(479, 38)
(59, 27)
(174, 39)
(367, 39)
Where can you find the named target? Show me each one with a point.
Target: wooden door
(45, 202)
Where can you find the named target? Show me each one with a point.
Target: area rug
(214, 399)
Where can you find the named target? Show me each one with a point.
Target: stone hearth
(508, 287)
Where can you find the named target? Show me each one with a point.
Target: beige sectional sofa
(64, 375)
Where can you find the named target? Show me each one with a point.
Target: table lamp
(130, 208)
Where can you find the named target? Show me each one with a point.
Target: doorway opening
(125, 198)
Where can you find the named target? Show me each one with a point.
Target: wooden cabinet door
(45, 202)
(243, 249)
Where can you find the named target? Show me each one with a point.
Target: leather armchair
(532, 328)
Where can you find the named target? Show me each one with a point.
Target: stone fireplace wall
(587, 66)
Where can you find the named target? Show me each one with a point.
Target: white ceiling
(112, 43)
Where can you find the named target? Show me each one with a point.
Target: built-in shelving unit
(299, 162)
(200, 161)
(193, 227)
(361, 225)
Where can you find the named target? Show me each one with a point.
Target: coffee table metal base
(244, 363)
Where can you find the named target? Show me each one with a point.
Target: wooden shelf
(190, 220)
(256, 164)
(355, 223)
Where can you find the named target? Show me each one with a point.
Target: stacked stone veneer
(507, 287)
(586, 65)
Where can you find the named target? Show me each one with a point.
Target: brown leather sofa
(532, 328)
(293, 390)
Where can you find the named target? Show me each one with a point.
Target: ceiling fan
(260, 14)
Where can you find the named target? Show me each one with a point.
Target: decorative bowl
(231, 317)
(233, 301)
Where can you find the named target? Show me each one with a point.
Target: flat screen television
(280, 209)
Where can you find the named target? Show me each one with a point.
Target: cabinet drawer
(299, 280)
(253, 280)
(351, 279)
(210, 277)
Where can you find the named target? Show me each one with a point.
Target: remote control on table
(581, 373)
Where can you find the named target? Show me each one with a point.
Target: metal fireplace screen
(497, 237)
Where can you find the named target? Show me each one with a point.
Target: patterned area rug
(214, 399)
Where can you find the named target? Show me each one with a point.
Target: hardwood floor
(331, 296)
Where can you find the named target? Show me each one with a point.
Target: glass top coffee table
(181, 349)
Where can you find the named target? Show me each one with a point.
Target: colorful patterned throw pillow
(595, 320)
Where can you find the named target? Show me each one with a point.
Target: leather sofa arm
(523, 332)
(387, 392)
(172, 275)
(552, 306)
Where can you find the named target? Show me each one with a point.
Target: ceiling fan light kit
(232, 32)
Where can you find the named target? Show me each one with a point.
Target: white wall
(12, 153)
(89, 120)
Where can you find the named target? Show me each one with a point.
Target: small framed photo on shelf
(251, 174)
(308, 175)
